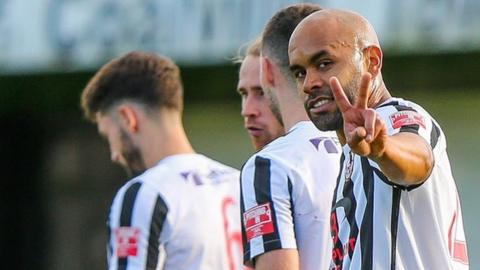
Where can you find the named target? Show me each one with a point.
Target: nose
(249, 107)
(311, 81)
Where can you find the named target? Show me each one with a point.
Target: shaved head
(350, 28)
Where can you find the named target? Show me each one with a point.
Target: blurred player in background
(287, 187)
(396, 204)
(182, 212)
(262, 124)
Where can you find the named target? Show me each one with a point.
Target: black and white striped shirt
(180, 214)
(377, 224)
(286, 196)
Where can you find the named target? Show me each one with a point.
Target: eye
(299, 74)
(242, 92)
(259, 91)
(324, 64)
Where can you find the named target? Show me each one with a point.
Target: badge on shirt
(349, 167)
(406, 118)
(258, 221)
(127, 241)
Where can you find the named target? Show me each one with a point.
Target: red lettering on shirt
(258, 221)
(127, 241)
(406, 118)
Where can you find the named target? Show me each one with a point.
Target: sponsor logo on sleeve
(258, 221)
(127, 241)
(406, 118)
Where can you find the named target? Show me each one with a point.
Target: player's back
(184, 215)
(287, 191)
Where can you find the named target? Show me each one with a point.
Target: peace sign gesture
(365, 132)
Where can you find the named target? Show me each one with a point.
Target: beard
(134, 164)
(328, 121)
(273, 104)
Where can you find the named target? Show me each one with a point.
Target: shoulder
(145, 189)
(406, 116)
(304, 141)
(398, 106)
(303, 138)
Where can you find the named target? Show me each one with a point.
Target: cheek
(268, 116)
(115, 144)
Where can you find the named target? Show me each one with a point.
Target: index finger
(363, 92)
(340, 98)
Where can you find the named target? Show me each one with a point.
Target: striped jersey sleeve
(266, 208)
(135, 222)
(405, 116)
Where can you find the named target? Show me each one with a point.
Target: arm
(135, 231)
(282, 259)
(267, 222)
(405, 158)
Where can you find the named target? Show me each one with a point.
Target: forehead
(250, 64)
(318, 34)
(249, 71)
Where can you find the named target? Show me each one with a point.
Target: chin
(327, 122)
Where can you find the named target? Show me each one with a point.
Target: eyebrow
(312, 59)
(318, 55)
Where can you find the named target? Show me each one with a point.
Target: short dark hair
(147, 78)
(278, 30)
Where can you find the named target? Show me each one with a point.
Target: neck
(164, 139)
(290, 103)
(379, 94)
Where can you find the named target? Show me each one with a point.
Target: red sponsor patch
(406, 118)
(258, 221)
(460, 252)
(127, 241)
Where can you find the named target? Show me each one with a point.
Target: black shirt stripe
(342, 161)
(109, 237)
(396, 195)
(290, 190)
(434, 135)
(348, 192)
(263, 195)
(159, 215)
(392, 103)
(246, 244)
(126, 215)
(366, 229)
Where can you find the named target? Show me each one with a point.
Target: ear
(266, 71)
(374, 58)
(128, 117)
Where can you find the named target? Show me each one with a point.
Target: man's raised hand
(365, 132)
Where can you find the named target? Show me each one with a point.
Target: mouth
(321, 104)
(254, 131)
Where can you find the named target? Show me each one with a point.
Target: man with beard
(395, 205)
(180, 210)
(287, 187)
(262, 124)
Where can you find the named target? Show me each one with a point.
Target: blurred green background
(58, 182)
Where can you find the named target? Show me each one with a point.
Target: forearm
(406, 159)
(281, 259)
